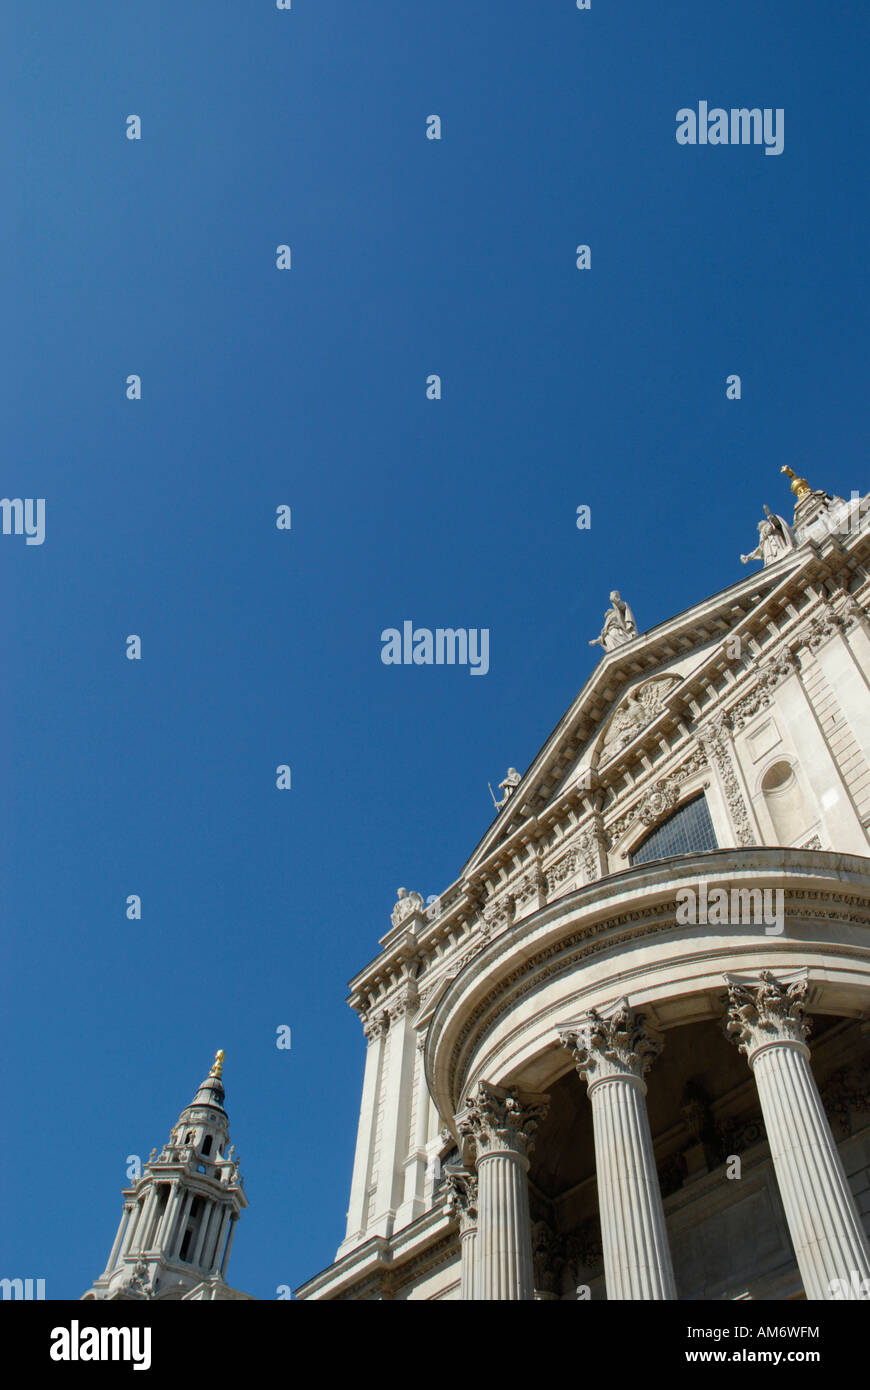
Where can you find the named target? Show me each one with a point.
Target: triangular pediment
(630, 688)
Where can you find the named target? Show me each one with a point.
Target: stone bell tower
(180, 1216)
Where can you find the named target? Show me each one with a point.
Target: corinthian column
(499, 1124)
(462, 1202)
(766, 1021)
(613, 1052)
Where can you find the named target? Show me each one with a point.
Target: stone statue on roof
(619, 625)
(775, 539)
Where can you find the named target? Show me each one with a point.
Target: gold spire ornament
(218, 1063)
(800, 487)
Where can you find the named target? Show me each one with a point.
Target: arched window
(206, 1145)
(689, 830)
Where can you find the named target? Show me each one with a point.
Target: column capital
(375, 1024)
(617, 1043)
(501, 1119)
(764, 1012)
(461, 1187)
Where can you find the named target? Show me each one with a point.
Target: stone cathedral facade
(625, 1054)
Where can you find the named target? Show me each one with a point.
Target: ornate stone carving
(716, 743)
(581, 1247)
(562, 869)
(845, 1093)
(404, 1002)
(639, 708)
(571, 952)
(532, 884)
(769, 674)
(851, 611)
(592, 847)
(407, 905)
(374, 1025)
(735, 1136)
(696, 760)
(546, 1257)
(658, 802)
(821, 628)
(766, 1012)
(499, 914)
(139, 1283)
(497, 1118)
(461, 1186)
(617, 1043)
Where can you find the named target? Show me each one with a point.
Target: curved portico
(499, 1018)
(601, 980)
(633, 1030)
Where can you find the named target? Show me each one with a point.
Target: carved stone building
(588, 1071)
(179, 1218)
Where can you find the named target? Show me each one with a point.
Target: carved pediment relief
(639, 708)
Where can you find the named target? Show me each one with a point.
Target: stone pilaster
(498, 1125)
(766, 1021)
(613, 1052)
(462, 1201)
(375, 1028)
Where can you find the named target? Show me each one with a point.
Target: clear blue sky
(307, 387)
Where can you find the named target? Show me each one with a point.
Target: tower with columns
(625, 1053)
(179, 1218)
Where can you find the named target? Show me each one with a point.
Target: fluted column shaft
(234, 1221)
(130, 1233)
(221, 1237)
(766, 1020)
(498, 1125)
(468, 1248)
(612, 1051)
(504, 1240)
(125, 1217)
(462, 1201)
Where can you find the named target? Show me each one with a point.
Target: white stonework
(681, 1182)
(613, 1052)
(179, 1218)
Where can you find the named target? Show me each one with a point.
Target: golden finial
(800, 487)
(218, 1063)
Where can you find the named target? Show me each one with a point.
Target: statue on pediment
(619, 625)
(406, 906)
(775, 539)
(509, 785)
